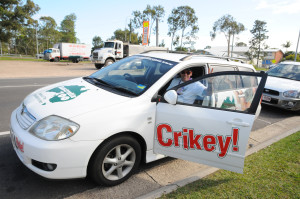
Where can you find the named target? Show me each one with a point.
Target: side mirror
(171, 97)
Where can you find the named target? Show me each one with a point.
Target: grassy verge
(34, 59)
(273, 172)
(261, 69)
(20, 59)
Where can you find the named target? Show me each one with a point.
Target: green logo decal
(66, 93)
(60, 94)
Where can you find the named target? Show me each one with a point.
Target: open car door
(214, 127)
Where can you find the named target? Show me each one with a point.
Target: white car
(283, 86)
(105, 124)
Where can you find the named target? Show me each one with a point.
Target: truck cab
(52, 54)
(111, 51)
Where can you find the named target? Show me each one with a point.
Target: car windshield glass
(288, 71)
(133, 75)
(109, 44)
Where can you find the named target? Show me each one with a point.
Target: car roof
(290, 62)
(179, 57)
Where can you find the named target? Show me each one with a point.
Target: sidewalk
(170, 175)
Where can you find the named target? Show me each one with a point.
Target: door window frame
(255, 102)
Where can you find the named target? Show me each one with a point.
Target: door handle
(238, 123)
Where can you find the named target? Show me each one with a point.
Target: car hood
(281, 84)
(69, 99)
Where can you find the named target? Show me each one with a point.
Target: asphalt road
(16, 181)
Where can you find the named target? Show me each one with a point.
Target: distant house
(273, 56)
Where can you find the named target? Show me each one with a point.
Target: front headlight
(292, 94)
(54, 128)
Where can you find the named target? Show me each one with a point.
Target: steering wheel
(129, 77)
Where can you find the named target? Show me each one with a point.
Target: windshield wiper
(124, 90)
(110, 86)
(98, 81)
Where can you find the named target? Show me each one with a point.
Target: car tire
(56, 59)
(109, 62)
(98, 66)
(115, 161)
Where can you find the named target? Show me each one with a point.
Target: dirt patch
(26, 69)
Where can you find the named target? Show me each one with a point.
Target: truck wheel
(56, 59)
(115, 161)
(108, 62)
(98, 66)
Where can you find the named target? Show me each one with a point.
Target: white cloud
(279, 6)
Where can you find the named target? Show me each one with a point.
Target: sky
(102, 18)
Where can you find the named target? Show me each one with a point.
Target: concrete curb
(205, 172)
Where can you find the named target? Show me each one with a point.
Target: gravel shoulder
(32, 69)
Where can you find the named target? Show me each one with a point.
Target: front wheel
(98, 66)
(108, 62)
(115, 161)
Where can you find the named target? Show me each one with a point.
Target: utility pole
(1, 47)
(297, 47)
(37, 42)
(156, 31)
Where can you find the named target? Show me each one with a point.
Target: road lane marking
(21, 86)
(4, 133)
(264, 121)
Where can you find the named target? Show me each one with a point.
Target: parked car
(283, 86)
(39, 56)
(105, 124)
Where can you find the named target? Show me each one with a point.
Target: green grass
(21, 59)
(261, 69)
(273, 172)
(34, 59)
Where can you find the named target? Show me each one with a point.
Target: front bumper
(281, 102)
(71, 158)
(98, 61)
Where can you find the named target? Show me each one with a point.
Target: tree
(173, 24)
(67, 29)
(229, 27)
(97, 42)
(183, 18)
(149, 14)
(14, 15)
(120, 35)
(259, 35)
(240, 44)
(48, 31)
(187, 19)
(286, 45)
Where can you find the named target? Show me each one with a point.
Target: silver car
(283, 86)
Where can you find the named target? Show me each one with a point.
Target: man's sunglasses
(185, 72)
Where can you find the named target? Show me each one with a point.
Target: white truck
(68, 51)
(115, 50)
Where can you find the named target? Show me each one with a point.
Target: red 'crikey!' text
(190, 140)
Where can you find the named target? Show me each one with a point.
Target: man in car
(188, 94)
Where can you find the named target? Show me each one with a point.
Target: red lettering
(185, 142)
(160, 137)
(223, 147)
(208, 143)
(235, 136)
(194, 140)
(176, 138)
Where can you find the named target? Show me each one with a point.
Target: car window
(288, 71)
(245, 69)
(237, 94)
(221, 68)
(135, 74)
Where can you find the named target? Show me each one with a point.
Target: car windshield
(132, 75)
(288, 71)
(109, 44)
